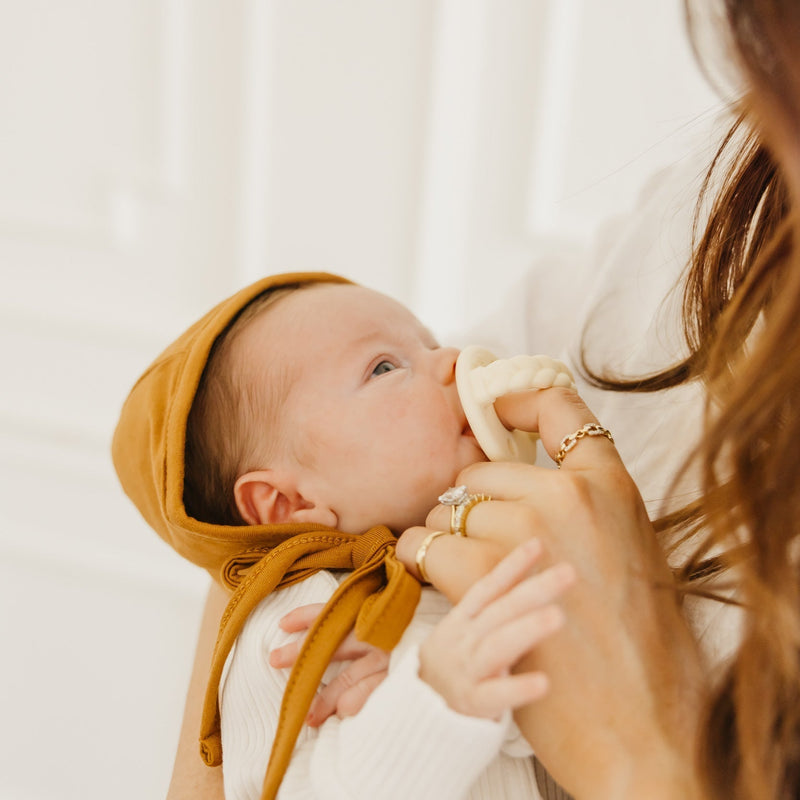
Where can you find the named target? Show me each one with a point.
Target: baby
(306, 404)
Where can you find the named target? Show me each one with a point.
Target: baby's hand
(346, 694)
(468, 656)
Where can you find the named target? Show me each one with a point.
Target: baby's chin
(414, 517)
(411, 518)
(418, 516)
(396, 524)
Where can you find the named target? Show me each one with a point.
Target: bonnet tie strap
(378, 599)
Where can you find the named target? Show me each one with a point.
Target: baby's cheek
(435, 422)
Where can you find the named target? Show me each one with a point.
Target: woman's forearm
(191, 778)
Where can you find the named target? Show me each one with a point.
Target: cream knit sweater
(405, 742)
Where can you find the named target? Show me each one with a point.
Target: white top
(405, 742)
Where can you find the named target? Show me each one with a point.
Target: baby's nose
(446, 364)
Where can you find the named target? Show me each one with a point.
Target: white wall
(155, 154)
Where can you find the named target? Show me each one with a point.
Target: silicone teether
(481, 378)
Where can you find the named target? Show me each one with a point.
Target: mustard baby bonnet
(251, 561)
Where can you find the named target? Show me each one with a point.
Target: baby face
(373, 425)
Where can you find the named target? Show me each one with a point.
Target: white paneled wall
(156, 154)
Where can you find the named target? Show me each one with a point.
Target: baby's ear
(266, 497)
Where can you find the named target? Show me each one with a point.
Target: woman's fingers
(554, 414)
(474, 558)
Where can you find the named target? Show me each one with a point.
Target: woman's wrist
(655, 766)
(654, 771)
(657, 778)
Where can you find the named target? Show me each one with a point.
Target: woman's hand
(626, 678)
(346, 694)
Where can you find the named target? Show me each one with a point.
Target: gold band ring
(460, 501)
(422, 551)
(568, 442)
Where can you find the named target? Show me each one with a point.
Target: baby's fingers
(351, 648)
(349, 690)
(496, 583)
(534, 592)
(494, 696)
(298, 620)
(350, 702)
(301, 618)
(500, 650)
(285, 656)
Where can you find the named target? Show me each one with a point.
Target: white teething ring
(481, 378)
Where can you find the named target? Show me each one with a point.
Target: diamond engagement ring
(460, 501)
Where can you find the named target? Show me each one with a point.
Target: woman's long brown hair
(741, 319)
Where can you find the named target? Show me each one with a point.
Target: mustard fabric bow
(378, 599)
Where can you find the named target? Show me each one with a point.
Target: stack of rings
(461, 502)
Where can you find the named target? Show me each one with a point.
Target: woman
(630, 713)
(741, 303)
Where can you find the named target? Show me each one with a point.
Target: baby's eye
(383, 367)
